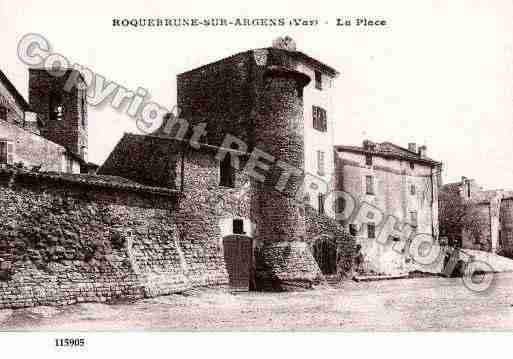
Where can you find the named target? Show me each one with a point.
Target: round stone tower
(283, 259)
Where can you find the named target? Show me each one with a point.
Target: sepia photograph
(208, 169)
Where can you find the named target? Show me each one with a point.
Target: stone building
(226, 94)
(398, 182)
(166, 214)
(493, 212)
(247, 135)
(50, 132)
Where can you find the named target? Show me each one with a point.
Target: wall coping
(100, 181)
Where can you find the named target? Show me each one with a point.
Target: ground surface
(402, 304)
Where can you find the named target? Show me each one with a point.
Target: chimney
(368, 145)
(284, 43)
(422, 151)
(412, 146)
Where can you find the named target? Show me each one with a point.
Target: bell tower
(61, 110)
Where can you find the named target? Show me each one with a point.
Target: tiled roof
(389, 150)
(12, 89)
(307, 59)
(104, 181)
(298, 55)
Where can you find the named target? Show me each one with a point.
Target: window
(352, 229)
(227, 173)
(320, 163)
(321, 199)
(413, 218)
(468, 190)
(6, 152)
(368, 160)
(69, 164)
(369, 185)
(340, 205)
(371, 230)
(412, 165)
(57, 108)
(238, 226)
(83, 107)
(412, 190)
(319, 119)
(318, 80)
(3, 113)
(83, 152)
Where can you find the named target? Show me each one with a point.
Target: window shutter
(320, 163)
(3, 152)
(319, 119)
(10, 153)
(320, 199)
(3, 113)
(369, 184)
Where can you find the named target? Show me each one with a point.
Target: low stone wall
(68, 238)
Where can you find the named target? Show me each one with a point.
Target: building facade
(250, 110)
(50, 133)
(398, 182)
(227, 94)
(490, 215)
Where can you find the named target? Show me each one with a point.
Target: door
(325, 254)
(238, 256)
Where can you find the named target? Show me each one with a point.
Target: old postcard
(175, 166)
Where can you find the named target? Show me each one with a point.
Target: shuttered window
(414, 219)
(369, 185)
(318, 80)
(321, 199)
(6, 152)
(319, 119)
(320, 163)
(3, 113)
(371, 230)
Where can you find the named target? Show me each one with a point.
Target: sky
(440, 73)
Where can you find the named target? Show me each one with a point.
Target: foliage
(458, 216)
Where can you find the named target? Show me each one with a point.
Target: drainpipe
(434, 172)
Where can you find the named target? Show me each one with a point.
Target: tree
(459, 217)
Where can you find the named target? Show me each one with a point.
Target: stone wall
(226, 95)
(506, 229)
(71, 238)
(222, 94)
(489, 209)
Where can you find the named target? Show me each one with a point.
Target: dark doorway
(238, 256)
(325, 253)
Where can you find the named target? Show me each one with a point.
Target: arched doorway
(325, 254)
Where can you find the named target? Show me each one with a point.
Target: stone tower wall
(279, 132)
(71, 131)
(283, 258)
